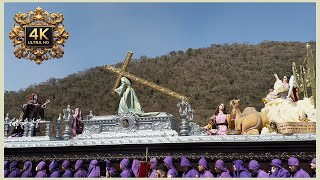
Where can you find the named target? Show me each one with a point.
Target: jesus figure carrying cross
(129, 102)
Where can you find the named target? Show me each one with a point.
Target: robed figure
(129, 102)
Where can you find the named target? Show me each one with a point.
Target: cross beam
(147, 83)
(124, 68)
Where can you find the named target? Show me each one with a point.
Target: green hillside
(210, 75)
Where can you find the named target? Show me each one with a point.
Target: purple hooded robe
(29, 172)
(300, 173)
(241, 172)
(6, 168)
(280, 172)
(94, 169)
(313, 171)
(54, 169)
(41, 170)
(15, 171)
(110, 169)
(172, 169)
(126, 173)
(206, 174)
(225, 173)
(191, 173)
(80, 171)
(135, 167)
(255, 166)
(154, 164)
(67, 166)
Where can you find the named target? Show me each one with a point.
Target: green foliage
(211, 75)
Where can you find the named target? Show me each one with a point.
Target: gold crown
(38, 18)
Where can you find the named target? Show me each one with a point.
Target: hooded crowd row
(168, 169)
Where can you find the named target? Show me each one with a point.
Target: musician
(33, 109)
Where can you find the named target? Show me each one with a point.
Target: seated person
(218, 122)
(211, 125)
(33, 109)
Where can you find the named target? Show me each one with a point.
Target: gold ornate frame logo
(49, 47)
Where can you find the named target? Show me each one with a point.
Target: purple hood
(169, 161)
(185, 162)
(154, 163)
(203, 162)
(220, 165)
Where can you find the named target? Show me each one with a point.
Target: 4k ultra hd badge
(38, 35)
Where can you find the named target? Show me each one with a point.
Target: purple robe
(255, 166)
(300, 173)
(41, 170)
(241, 172)
(110, 169)
(280, 171)
(154, 164)
(172, 169)
(220, 165)
(94, 169)
(126, 173)
(262, 174)
(224, 175)
(67, 166)
(28, 170)
(313, 171)
(15, 171)
(135, 167)
(206, 173)
(191, 173)
(80, 171)
(54, 168)
(6, 168)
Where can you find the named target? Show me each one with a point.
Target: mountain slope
(211, 75)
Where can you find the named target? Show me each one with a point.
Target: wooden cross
(124, 68)
(123, 72)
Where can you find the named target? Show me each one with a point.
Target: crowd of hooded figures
(167, 169)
